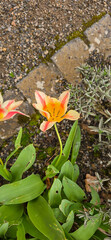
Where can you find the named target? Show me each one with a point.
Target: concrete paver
(42, 78)
(99, 35)
(69, 57)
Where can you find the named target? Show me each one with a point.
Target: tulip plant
(28, 209)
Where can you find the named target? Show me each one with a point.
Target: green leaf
(67, 206)
(24, 161)
(67, 170)
(54, 194)
(86, 232)
(76, 172)
(18, 139)
(69, 222)
(9, 156)
(5, 173)
(10, 213)
(72, 190)
(3, 229)
(21, 232)
(67, 148)
(68, 236)
(11, 74)
(31, 229)
(50, 172)
(21, 191)
(12, 232)
(95, 197)
(61, 162)
(44, 220)
(76, 145)
(68, 145)
(100, 236)
(59, 215)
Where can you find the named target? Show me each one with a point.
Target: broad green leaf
(76, 172)
(11, 213)
(76, 145)
(18, 139)
(95, 197)
(3, 229)
(67, 148)
(59, 215)
(5, 173)
(50, 172)
(21, 191)
(67, 206)
(20, 232)
(23, 162)
(86, 232)
(54, 194)
(12, 232)
(72, 190)
(69, 222)
(44, 220)
(31, 229)
(67, 170)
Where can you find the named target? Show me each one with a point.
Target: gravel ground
(30, 28)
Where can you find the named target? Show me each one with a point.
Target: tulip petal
(71, 115)
(1, 99)
(42, 112)
(64, 98)
(14, 105)
(11, 104)
(12, 113)
(46, 125)
(3, 113)
(7, 104)
(40, 98)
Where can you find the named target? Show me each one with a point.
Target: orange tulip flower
(7, 109)
(54, 110)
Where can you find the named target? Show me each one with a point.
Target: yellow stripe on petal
(46, 125)
(71, 115)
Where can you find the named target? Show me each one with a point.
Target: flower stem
(60, 142)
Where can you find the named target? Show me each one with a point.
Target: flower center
(55, 109)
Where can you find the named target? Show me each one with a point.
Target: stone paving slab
(99, 35)
(69, 57)
(10, 127)
(42, 78)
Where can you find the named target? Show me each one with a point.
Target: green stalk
(60, 142)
